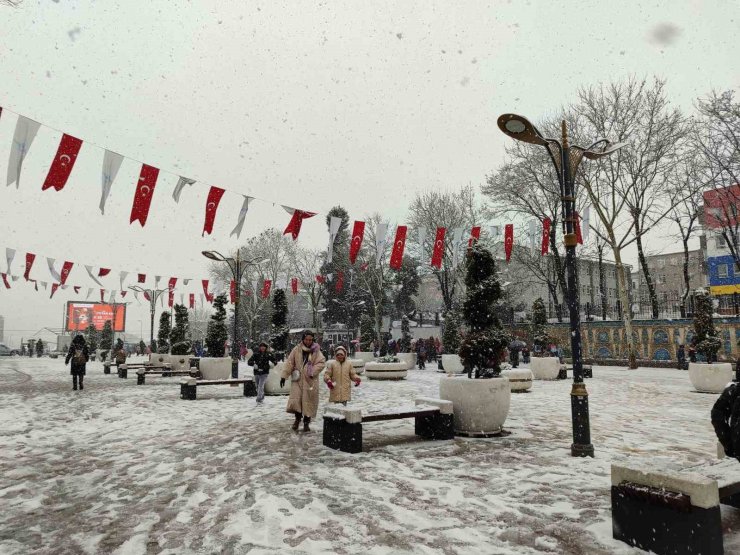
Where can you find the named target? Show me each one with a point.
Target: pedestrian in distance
(692, 353)
(260, 361)
(421, 354)
(681, 356)
(303, 366)
(339, 376)
(79, 355)
(120, 357)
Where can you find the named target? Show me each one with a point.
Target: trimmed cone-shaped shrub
(708, 343)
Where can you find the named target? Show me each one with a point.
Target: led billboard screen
(81, 315)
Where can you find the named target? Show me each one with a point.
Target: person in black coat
(681, 356)
(79, 355)
(260, 362)
(726, 420)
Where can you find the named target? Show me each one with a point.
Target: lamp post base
(581, 446)
(580, 450)
(234, 370)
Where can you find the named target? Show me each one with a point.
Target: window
(722, 271)
(661, 263)
(719, 242)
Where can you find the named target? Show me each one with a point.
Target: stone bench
(142, 373)
(673, 511)
(588, 371)
(124, 368)
(343, 426)
(188, 386)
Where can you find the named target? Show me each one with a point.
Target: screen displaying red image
(81, 315)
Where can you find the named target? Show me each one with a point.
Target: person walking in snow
(260, 361)
(79, 355)
(339, 376)
(303, 366)
(726, 420)
(421, 354)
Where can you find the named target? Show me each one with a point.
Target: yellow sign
(724, 289)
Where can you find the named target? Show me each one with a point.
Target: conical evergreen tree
(91, 338)
(538, 328)
(279, 329)
(163, 334)
(180, 334)
(708, 342)
(406, 336)
(216, 332)
(106, 336)
(451, 332)
(39, 348)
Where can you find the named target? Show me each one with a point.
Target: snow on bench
(343, 426)
(673, 511)
(124, 368)
(142, 373)
(188, 386)
(588, 371)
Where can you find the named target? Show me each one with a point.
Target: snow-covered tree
(106, 336)
(180, 334)
(216, 333)
(406, 336)
(39, 348)
(163, 334)
(279, 329)
(91, 338)
(31, 347)
(451, 332)
(707, 339)
(538, 328)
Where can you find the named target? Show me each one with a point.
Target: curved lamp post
(237, 267)
(566, 159)
(153, 295)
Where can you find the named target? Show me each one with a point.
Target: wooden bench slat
(397, 415)
(222, 382)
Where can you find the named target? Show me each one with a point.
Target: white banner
(380, 233)
(111, 164)
(25, 133)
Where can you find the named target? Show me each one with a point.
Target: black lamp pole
(566, 159)
(154, 295)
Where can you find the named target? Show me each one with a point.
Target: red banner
(5, 281)
(171, 294)
(266, 286)
(142, 278)
(439, 247)
(54, 287)
(339, 285)
(214, 197)
(358, 232)
(144, 193)
(320, 279)
(474, 236)
(102, 295)
(294, 285)
(209, 296)
(232, 291)
(508, 240)
(65, 272)
(63, 163)
(364, 266)
(398, 247)
(577, 225)
(294, 225)
(192, 300)
(545, 236)
(77, 291)
(123, 293)
(103, 272)
(146, 296)
(30, 257)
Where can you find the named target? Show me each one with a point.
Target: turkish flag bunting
(209, 296)
(192, 300)
(508, 240)
(102, 295)
(146, 296)
(546, 236)
(214, 197)
(474, 236)
(142, 278)
(54, 287)
(320, 279)
(5, 281)
(232, 290)
(171, 294)
(339, 285)
(398, 246)
(294, 226)
(103, 272)
(63, 163)
(266, 286)
(294, 285)
(30, 257)
(439, 247)
(123, 294)
(144, 193)
(577, 225)
(364, 266)
(358, 232)
(65, 272)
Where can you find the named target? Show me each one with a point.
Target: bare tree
(307, 266)
(11, 3)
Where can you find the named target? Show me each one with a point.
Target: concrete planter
(519, 378)
(386, 370)
(408, 358)
(358, 365)
(545, 368)
(480, 406)
(710, 378)
(452, 364)
(215, 368)
(272, 385)
(366, 356)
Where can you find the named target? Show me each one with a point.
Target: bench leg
(106, 369)
(731, 500)
(588, 372)
(664, 529)
(140, 379)
(563, 374)
(342, 436)
(166, 374)
(123, 373)
(250, 389)
(187, 392)
(435, 426)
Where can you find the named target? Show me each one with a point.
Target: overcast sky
(307, 104)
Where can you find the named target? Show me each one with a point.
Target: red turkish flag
(577, 224)
(294, 226)
(54, 287)
(358, 233)
(266, 286)
(144, 193)
(232, 291)
(474, 236)
(30, 257)
(508, 240)
(209, 296)
(320, 279)
(102, 295)
(398, 246)
(214, 197)
(192, 300)
(546, 236)
(5, 281)
(142, 278)
(63, 163)
(294, 285)
(171, 295)
(439, 247)
(65, 272)
(339, 285)
(103, 272)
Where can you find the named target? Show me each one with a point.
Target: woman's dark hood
(78, 340)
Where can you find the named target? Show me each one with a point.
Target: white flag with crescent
(25, 133)
(242, 216)
(111, 164)
(181, 184)
(380, 233)
(457, 235)
(9, 256)
(422, 239)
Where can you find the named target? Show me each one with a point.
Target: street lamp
(566, 159)
(237, 267)
(153, 295)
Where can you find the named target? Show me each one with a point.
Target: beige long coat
(343, 375)
(304, 394)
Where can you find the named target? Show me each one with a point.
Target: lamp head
(213, 255)
(520, 128)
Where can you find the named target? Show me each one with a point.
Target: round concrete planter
(452, 364)
(358, 365)
(215, 368)
(408, 358)
(386, 370)
(366, 356)
(710, 378)
(480, 406)
(545, 368)
(519, 378)
(272, 385)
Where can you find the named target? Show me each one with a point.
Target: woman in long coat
(307, 359)
(339, 376)
(79, 355)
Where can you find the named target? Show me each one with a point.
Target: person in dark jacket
(726, 420)
(681, 356)
(260, 362)
(79, 355)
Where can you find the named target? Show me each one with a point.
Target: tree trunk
(626, 312)
(686, 281)
(553, 288)
(645, 270)
(602, 283)
(559, 268)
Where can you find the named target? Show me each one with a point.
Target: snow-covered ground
(121, 468)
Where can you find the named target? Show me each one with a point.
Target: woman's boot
(306, 422)
(297, 422)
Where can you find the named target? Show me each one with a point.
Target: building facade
(720, 219)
